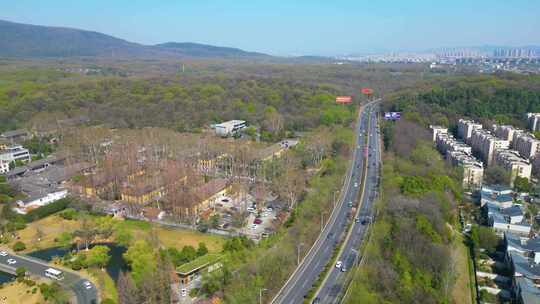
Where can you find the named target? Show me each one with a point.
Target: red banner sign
(344, 99)
(367, 91)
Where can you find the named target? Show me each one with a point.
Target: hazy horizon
(300, 28)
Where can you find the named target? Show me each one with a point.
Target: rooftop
(526, 244)
(195, 265)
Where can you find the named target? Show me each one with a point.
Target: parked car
(3, 253)
(254, 226)
(257, 221)
(183, 292)
(339, 264)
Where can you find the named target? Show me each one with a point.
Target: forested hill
(203, 50)
(34, 41)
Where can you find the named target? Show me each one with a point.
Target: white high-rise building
(438, 130)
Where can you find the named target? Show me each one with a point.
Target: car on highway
(3, 253)
(11, 261)
(356, 185)
(343, 269)
(250, 209)
(254, 226)
(183, 292)
(87, 285)
(357, 220)
(350, 204)
(339, 264)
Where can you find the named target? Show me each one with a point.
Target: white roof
(53, 271)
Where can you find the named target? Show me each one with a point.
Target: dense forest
(504, 99)
(281, 97)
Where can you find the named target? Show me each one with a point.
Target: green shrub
(19, 246)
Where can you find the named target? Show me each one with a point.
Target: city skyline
(300, 28)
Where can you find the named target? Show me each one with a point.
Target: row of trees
(415, 216)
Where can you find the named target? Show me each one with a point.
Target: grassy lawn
(16, 292)
(52, 226)
(462, 292)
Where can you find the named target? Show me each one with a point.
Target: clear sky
(296, 27)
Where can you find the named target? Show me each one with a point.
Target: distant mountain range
(34, 41)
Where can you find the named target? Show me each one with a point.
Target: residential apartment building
(466, 128)
(14, 136)
(473, 170)
(510, 219)
(513, 162)
(447, 143)
(484, 144)
(527, 145)
(533, 121)
(506, 132)
(437, 130)
(15, 153)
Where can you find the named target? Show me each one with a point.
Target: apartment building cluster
(457, 153)
(505, 146)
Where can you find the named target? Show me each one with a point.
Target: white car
(11, 261)
(250, 209)
(339, 264)
(356, 185)
(3, 253)
(254, 226)
(87, 285)
(183, 292)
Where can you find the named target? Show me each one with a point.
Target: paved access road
(334, 284)
(298, 285)
(71, 280)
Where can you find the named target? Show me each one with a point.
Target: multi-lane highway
(84, 294)
(334, 283)
(301, 281)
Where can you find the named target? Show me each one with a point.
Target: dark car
(257, 221)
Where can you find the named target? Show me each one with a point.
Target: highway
(37, 267)
(334, 283)
(302, 280)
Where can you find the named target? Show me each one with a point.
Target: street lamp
(260, 294)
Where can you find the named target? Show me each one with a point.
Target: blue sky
(296, 27)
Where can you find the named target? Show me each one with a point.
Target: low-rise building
(505, 220)
(230, 127)
(190, 201)
(466, 128)
(14, 136)
(523, 259)
(498, 195)
(15, 153)
(514, 163)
